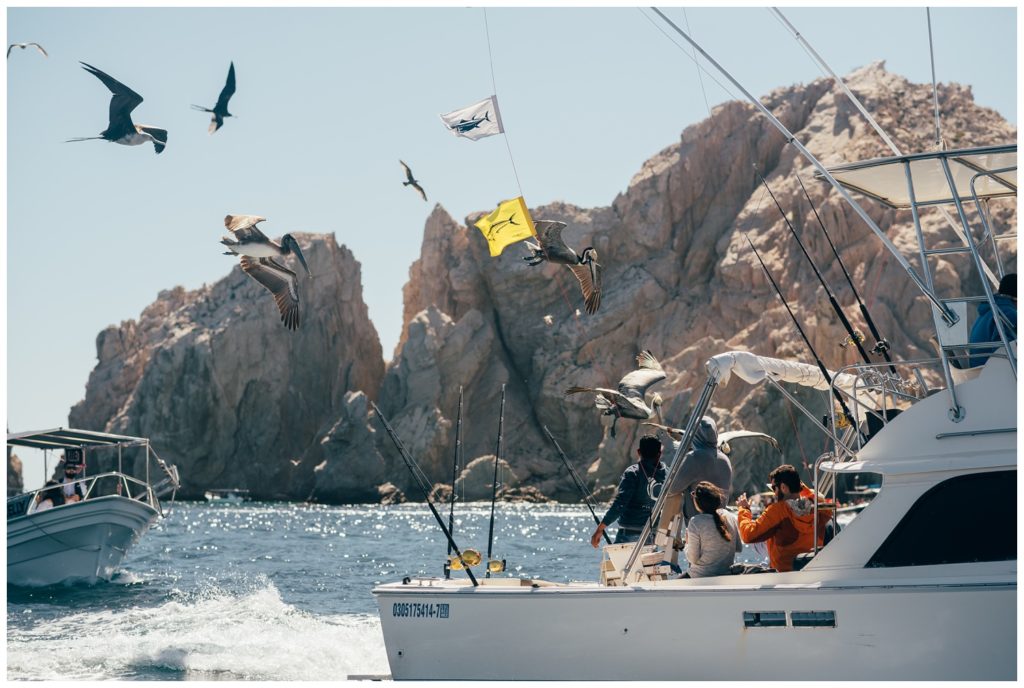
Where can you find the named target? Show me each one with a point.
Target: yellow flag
(511, 222)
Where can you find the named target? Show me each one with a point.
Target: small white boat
(227, 496)
(83, 541)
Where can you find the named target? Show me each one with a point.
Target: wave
(212, 634)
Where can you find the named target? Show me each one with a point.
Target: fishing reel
(857, 338)
(881, 347)
(496, 566)
(470, 556)
(842, 421)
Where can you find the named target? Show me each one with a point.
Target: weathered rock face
(680, 280)
(230, 395)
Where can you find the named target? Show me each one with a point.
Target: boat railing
(93, 487)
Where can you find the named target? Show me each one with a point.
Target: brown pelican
(25, 45)
(280, 281)
(120, 129)
(220, 110)
(554, 250)
(724, 439)
(628, 400)
(412, 182)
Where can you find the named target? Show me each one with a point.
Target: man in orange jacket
(787, 525)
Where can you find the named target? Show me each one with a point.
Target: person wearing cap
(72, 490)
(985, 330)
(633, 501)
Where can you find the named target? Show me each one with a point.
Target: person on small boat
(984, 329)
(787, 525)
(704, 462)
(72, 491)
(712, 537)
(633, 501)
(47, 499)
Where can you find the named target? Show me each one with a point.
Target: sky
(327, 102)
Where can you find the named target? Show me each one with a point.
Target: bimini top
(885, 179)
(69, 438)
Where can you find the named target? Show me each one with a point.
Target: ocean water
(269, 591)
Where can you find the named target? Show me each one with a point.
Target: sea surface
(269, 591)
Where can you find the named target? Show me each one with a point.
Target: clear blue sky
(328, 100)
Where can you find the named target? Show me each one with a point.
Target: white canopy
(885, 179)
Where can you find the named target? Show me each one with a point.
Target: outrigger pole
(817, 359)
(455, 472)
(881, 345)
(576, 479)
(854, 338)
(410, 463)
(947, 314)
(494, 486)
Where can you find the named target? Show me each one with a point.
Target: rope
(494, 86)
(696, 64)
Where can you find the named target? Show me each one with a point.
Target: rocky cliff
(226, 392)
(679, 279)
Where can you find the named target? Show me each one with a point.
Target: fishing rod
(494, 493)
(881, 345)
(455, 474)
(410, 463)
(854, 337)
(576, 479)
(817, 359)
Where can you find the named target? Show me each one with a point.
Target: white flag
(476, 121)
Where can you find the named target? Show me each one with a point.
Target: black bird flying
(414, 183)
(121, 129)
(220, 110)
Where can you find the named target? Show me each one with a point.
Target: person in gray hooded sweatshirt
(703, 462)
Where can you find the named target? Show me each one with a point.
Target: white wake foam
(215, 635)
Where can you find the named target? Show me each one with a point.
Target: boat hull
(894, 632)
(79, 542)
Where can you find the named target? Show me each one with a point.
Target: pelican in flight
(220, 110)
(120, 129)
(257, 253)
(414, 183)
(554, 250)
(725, 439)
(25, 45)
(628, 400)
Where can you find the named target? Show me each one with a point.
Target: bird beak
(302, 259)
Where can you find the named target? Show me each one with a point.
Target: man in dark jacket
(984, 329)
(633, 500)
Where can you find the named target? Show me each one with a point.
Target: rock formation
(679, 280)
(15, 479)
(228, 394)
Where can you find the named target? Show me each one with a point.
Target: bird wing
(674, 433)
(637, 382)
(216, 122)
(244, 227)
(419, 188)
(727, 437)
(549, 233)
(589, 276)
(10, 48)
(408, 172)
(122, 103)
(603, 391)
(227, 91)
(279, 281)
(159, 134)
(45, 54)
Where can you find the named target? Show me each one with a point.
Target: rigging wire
(494, 86)
(935, 89)
(696, 64)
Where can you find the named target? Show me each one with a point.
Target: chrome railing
(93, 487)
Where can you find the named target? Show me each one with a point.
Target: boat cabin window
(968, 518)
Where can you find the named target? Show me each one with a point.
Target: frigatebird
(120, 129)
(414, 183)
(628, 400)
(25, 45)
(554, 250)
(220, 110)
(257, 253)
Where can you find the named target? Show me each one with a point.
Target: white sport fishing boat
(83, 541)
(921, 585)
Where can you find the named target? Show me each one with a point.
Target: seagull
(724, 439)
(121, 129)
(257, 253)
(412, 182)
(220, 110)
(554, 250)
(25, 45)
(628, 400)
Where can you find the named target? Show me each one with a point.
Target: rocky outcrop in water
(228, 394)
(679, 280)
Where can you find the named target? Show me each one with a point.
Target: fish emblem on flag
(476, 121)
(508, 223)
